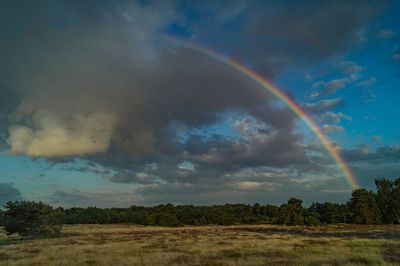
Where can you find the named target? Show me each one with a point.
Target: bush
(31, 219)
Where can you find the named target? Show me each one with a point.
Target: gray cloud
(99, 82)
(350, 68)
(385, 33)
(323, 105)
(366, 154)
(329, 87)
(396, 56)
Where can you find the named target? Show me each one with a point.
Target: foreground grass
(208, 245)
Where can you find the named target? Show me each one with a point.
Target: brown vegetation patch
(181, 260)
(360, 260)
(354, 231)
(391, 253)
(223, 243)
(269, 254)
(316, 242)
(90, 262)
(212, 260)
(4, 256)
(156, 246)
(33, 251)
(233, 254)
(280, 262)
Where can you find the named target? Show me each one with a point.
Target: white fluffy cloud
(52, 135)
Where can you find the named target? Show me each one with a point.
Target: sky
(106, 103)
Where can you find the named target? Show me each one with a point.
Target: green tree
(292, 212)
(32, 219)
(271, 212)
(330, 213)
(311, 218)
(396, 201)
(166, 215)
(385, 202)
(364, 208)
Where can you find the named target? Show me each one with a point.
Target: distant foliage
(31, 219)
(364, 207)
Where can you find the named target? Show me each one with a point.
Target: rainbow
(267, 85)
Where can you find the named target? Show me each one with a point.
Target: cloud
(323, 105)
(100, 83)
(396, 56)
(385, 33)
(332, 128)
(51, 135)
(257, 147)
(117, 62)
(8, 193)
(336, 190)
(350, 68)
(130, 176)
(329, 87)
(269, 31)
(249, 185)
(367, 83)
(334, 118)
(331, 121)
(363, 153)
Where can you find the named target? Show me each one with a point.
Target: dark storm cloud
(96, 80)
(8, 193)
(276, 37)
(97, 65)
(277, 149)
(108, 87)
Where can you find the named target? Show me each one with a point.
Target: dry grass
(208, 245)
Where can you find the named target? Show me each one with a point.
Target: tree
(32, 219)
(385, 199)
(166, 215)
(292, 212)
(364, 207)
(311, 218)
(271, 212)
(1, 218)
(330, 213)
(396, 201)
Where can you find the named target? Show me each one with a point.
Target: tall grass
(209, 245)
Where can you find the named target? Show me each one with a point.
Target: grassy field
(208, 245)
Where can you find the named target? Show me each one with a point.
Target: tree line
(364, 207)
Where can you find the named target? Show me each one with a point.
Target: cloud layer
(100, 82)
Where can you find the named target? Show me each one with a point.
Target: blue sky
(98, 108)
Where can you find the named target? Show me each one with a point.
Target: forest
(364, 207)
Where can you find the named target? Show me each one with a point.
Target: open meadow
(208, 245)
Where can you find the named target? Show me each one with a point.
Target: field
(208, 245)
